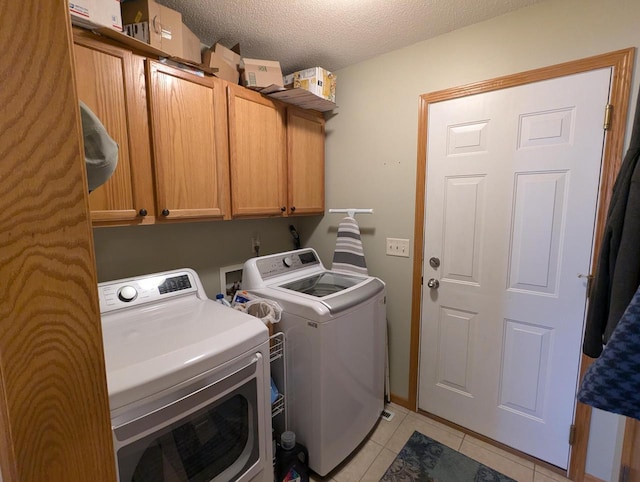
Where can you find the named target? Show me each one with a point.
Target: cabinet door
(257, 154)
(188, 127)
(305, 158)
(107, 83)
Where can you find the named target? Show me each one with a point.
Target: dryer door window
(212, 434)
(199, 448)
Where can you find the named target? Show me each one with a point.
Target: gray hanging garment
(100, 150)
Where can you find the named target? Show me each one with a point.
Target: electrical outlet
(398, 247)
(255, 244)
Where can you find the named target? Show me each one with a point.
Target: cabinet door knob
(283, 209)
(165, 212)
(142, 212)
(293, 208)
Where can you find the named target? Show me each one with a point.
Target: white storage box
(316, 80)
(96, 13)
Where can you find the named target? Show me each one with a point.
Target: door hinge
(421, 280)
(625, 473)
(572, 434)
(608, 112)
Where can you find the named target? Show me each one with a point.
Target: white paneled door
(511, 194)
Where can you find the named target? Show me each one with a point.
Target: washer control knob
(287, 261)
(127, 293)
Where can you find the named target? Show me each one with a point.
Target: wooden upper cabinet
(219, 150)
(257, 153)
(189, 132)
(110, 81)
(305, 158)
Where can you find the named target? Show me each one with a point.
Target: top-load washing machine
(188, 382)
(334, 324)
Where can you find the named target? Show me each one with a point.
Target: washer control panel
(275, 265)
(130, 292)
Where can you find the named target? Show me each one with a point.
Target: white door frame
(621, 63)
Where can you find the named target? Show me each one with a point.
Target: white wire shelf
(276, 346)
(278, 406)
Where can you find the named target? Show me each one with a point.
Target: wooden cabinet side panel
(185, 151)
(305, 158)
(55, 412)
(100, 78)
(257, 154)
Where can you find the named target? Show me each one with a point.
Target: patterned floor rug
(424, 460)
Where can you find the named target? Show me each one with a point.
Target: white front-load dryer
(334, 324)
(188, 382)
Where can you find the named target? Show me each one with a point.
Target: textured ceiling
(330, 33)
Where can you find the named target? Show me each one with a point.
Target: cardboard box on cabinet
(316, 80)
(191, 50)
(96, 13)
(258, 74)
(112, 12)
(161, 28)
(313, 88)
(139, 31)
(227, 61)
(82, 12)
(164, 25)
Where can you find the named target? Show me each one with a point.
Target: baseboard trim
(591, 478)
(403, 402)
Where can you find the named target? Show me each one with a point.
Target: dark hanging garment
(618, 272)
(612, 382)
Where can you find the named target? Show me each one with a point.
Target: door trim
(621, 62)
(630, 447)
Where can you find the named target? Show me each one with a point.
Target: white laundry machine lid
(298, 280)
(168, 338)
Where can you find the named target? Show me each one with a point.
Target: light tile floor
(373, 457)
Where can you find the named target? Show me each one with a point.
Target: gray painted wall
(603, 459)
(122, 252)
